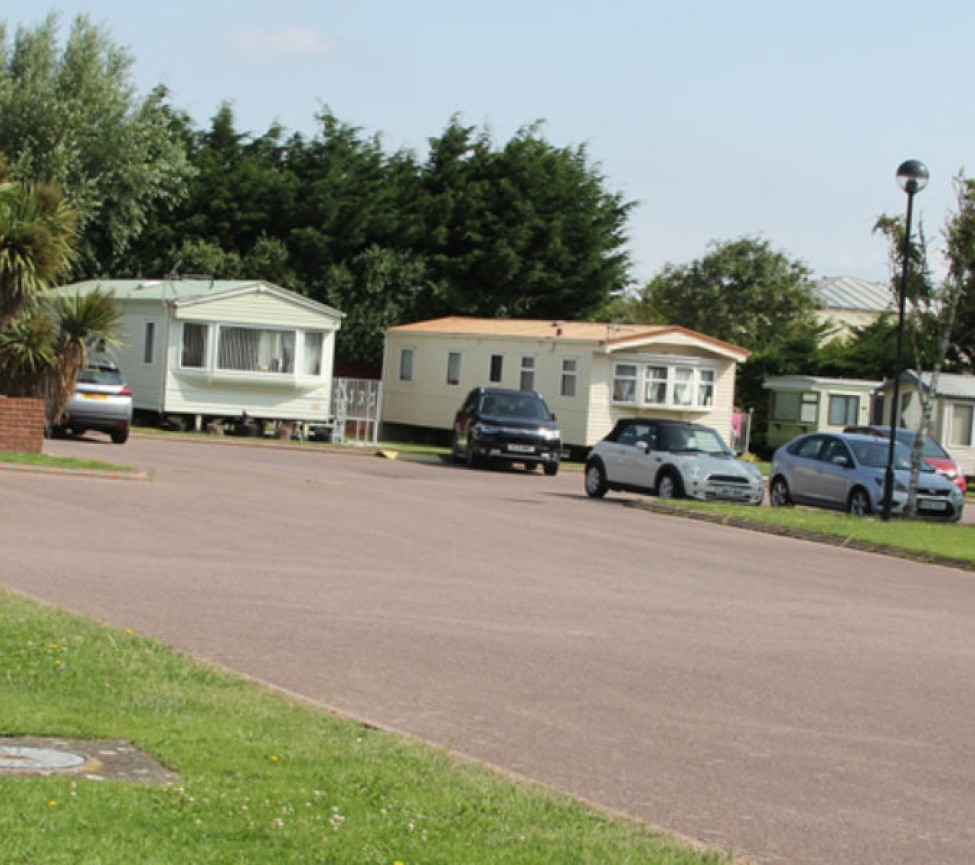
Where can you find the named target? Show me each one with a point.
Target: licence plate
(522, 449)
(731, 492)
(932, 506)
(94, 396)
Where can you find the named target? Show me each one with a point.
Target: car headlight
(486, 429)
(549, 435)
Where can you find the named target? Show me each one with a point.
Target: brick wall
(21, 425)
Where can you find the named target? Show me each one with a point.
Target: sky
(780, 120)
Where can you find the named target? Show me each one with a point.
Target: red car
(932, 452)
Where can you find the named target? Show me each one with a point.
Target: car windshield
(514, 405)
(694, 439)
(874, 454)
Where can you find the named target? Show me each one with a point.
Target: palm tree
(86, 321)
(48, 343)
(38, 239)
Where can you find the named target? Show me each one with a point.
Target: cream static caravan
(808, 403)
(589, 373)
(196, 349)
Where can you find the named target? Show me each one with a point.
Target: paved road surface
(794, 702)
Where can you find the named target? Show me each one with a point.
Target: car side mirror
(643, 445)
(840, 460)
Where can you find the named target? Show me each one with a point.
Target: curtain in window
(683, 385)
(193, 350)
(313, 353)
(251, 350)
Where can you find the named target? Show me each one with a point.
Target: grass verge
(948, 543)
(265, 779)
(70, 463)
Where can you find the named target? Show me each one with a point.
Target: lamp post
(912, 176)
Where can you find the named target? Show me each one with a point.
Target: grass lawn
(919, 539)
(265, 780)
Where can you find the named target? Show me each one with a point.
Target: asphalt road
(792, 702)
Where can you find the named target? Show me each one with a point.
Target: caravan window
(313, 353)
(962, 424)
(149, 343)
(570, 375)
(248, 349)
(193, 352)
(793, 407)
(844, 410)
(406, 364)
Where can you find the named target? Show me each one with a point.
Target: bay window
(266, 351)
(661, 382)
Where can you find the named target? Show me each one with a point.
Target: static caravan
(195, 350)
(953, 415)
(807, 403)
(589, 373)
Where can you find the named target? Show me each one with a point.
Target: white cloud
(257, 46)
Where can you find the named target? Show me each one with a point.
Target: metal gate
(355, 406)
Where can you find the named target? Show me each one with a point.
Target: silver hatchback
(846, 472)
(102, 401)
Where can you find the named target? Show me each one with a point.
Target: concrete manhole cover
(92, 759)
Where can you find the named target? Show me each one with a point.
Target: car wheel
(551, 469)
(595, 480)
(779, 493)
(859, 503)
(119, 436)
(669, 486)
(473, 460)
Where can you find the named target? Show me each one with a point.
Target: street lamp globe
(912, 176)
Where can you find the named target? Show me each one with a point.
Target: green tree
(746, 293)
(380, 287)
(71, 115)
(741, 291)
(960, 281)
(528, 230)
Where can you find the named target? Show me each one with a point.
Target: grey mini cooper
(672, 459)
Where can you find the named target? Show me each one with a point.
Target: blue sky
(777, 119)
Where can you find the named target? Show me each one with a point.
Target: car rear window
(99, 375)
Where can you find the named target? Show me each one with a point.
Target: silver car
(672, 459)
(846, 471)
(102, 401)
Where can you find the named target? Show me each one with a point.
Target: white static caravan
(589, 373)
(196, 349)
(953, 415)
